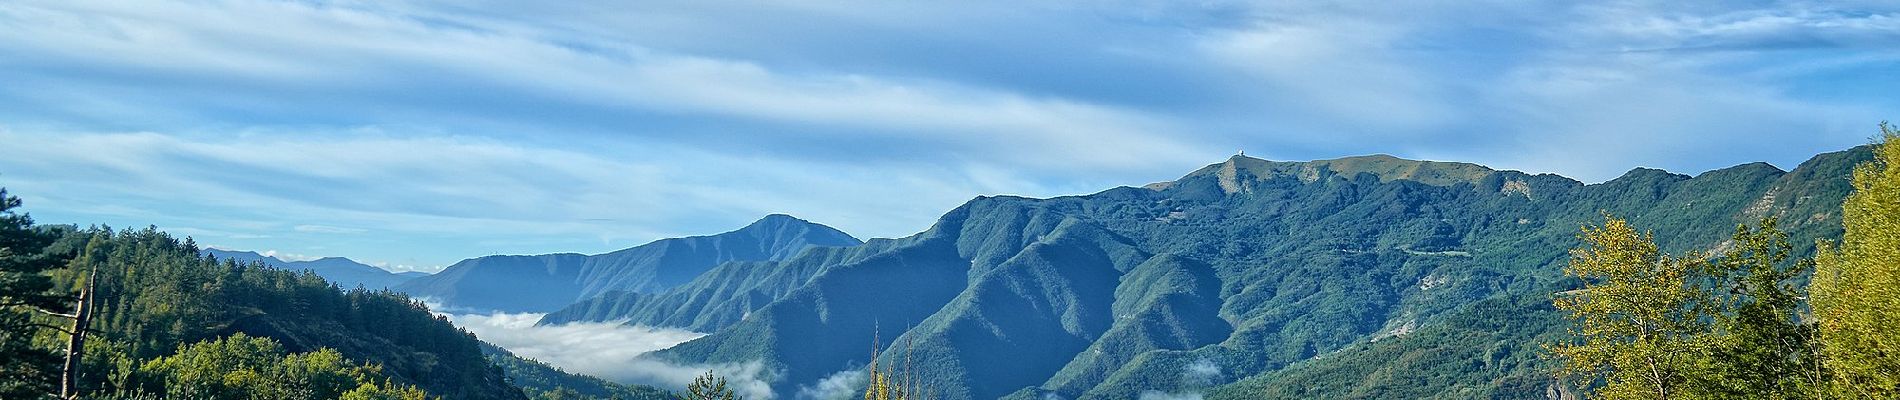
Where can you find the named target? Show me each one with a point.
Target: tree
(1761, 348)
(1856, 285)
(242, 367)
(708, 387)
(1639, 320)
(26, 291)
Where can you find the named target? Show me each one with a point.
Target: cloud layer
(608, 350)
(460, 129)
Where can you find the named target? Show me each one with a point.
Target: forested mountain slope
(1366, 276)
(156, 294)
(549, 282)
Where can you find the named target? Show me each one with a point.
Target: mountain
(549, 282)
(1366, 277)
(342, 271)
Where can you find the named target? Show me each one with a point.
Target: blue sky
(412, 134)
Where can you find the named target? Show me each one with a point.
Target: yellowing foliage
(1856, 286)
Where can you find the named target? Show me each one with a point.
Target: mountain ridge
(548, 282)
(342, 271)
(1306, 261)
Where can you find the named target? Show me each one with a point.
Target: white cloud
(400, 268)
(837, 386)
(609, 350)
(1201, 373)
(374, 46)
(328, 229)
(1158, 395)
(287, 256)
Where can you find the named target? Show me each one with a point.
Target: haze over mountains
(548, 282)
(341, 271)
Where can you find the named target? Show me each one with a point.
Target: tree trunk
(76, 345)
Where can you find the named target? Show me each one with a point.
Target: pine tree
(1856, 285)
(26, 292)
(709, 387)
(1640, 318)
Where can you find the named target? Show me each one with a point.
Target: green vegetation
(1651, 326)
(1642, 316)
(244, 367)
(26, 292)
(1857, 284)
(708, 386)
(154, 297)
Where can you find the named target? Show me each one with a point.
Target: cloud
(1776, 27)
(609, 350)
(400, 268)
(446, 130)
(1158, 395)
(261, 42)
(841, 385)
(328, 229)
(1201, 373)
(287, 256)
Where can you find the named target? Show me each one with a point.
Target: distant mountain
(341, 271)
(549, 282)
(1372, 277)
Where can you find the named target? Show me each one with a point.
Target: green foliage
(708, 387)
(1856, 286)
(1761, 348)
(156, 293)
(1640, 319)
(241, 367)
(1485, 351)
(29, 371)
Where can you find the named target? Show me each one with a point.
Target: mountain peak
(1235, 174)
(776, 219)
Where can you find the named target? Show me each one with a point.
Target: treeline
(165, 320)
(1743, 321)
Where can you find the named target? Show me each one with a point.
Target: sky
(413, 134)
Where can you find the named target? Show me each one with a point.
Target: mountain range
(341, 271)
(1362, 277)
(548, 282)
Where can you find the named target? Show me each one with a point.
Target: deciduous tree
(1856, 286)
(1640, 319)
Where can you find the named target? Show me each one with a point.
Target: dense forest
(166, 322)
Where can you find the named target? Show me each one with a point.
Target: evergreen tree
(1856, 287)
(1640, 319)
(26, 292)
(709, 387)
(1762, 350)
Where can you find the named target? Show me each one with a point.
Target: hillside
(543, 283)
(156, 294)
(1244, 277)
